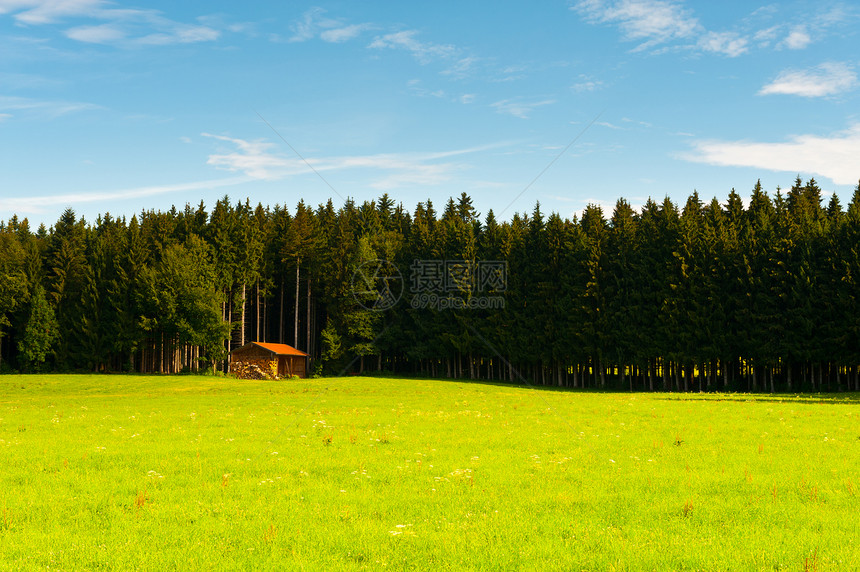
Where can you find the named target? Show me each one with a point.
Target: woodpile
(255, 369)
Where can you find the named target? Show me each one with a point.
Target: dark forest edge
(710, 296)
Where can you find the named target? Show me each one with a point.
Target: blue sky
(122, 106)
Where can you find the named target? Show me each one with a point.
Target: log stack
(255, 369)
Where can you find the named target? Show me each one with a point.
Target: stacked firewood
(254, 370)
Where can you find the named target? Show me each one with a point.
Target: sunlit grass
(208, 473)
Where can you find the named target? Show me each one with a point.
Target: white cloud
(726, 43)
(467, 98)
(766, 36)
(102, 34)
(130, 27)
(654, 21)
(315, 23)
(308, 27)
(519, 108)
(834, 157)
(47, 11)
(462, 67)
(340, 35)
(797, 39)
(40, 204)
(666, 23)
(258, 160)
(44, 109)
(424, 52)
(254, 159)
(826, 79)
(586, 83)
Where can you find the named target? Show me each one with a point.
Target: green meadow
(208, 473)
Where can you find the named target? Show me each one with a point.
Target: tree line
(699, 296)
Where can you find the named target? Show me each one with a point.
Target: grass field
(205, 473)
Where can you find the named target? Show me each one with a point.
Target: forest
(760, 295)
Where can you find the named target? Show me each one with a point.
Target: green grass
(203, 473)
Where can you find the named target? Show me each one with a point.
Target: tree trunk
(308, 325)
(296, 326)
(650, 376)
(230, 321)
(242, 335)
(281, 317)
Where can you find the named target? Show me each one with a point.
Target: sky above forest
(122, 106)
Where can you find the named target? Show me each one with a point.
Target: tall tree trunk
(296, 328)
(242, 335)
(308, 324)
(230, 321)
(650, 377)
(281, 316)
(664, 371)
(161, 355)
(257, 311)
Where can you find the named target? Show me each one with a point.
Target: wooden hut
(277, 359)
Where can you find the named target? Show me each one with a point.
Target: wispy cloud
(726, 43)
(42, 109)
(40, 204)
(48, 11)
(586, 83)
(518, 107)
(770, 26)
(340, 35)
(261, 160)
(315, 24)
(829, 78)
(654, 23)
(834, 157)
(255, 159)
(651, 22)
(797, 39)
(101, 34)
(125, 26)
(310, 24)
(130, 28)
(461, 68)
(424, 52)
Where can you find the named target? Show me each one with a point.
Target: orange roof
(279, 349)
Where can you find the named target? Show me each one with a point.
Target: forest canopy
(762, 296)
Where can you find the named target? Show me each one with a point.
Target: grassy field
(204, 473)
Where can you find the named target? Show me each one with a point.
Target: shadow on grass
(832, 398)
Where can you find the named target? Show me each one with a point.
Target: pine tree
(40, 333)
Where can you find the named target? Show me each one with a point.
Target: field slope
(202, 473)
